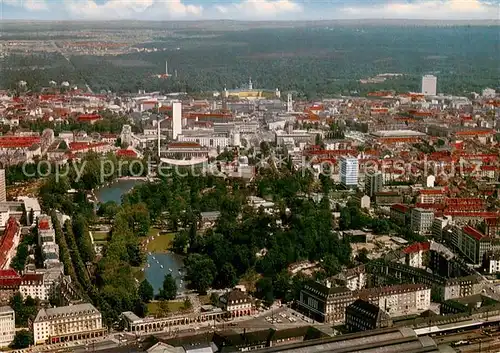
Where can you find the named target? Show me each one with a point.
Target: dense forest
(312, 61)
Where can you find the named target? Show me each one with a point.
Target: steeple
(250, 85)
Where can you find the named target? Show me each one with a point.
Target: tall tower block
(3, 193)
(176, 119)
(289, 104)
(166, 67)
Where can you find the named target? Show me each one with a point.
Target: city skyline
(249, 9)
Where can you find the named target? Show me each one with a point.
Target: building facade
(67, 323)
(7, 326)
(399, 299)
(237, 303)
(349, 172)
(324, 303)
(429, 85)
(363, 316)
(374, 182)
(421, 220)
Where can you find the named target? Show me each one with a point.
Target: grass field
(100, 236)
(161, 243)
(173, 306)
(138, 273)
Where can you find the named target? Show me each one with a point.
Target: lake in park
(158, 264)
(114, 191)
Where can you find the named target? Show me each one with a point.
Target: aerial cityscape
(292, 178)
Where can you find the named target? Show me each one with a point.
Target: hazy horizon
(250, 10)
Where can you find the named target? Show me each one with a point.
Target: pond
(114, 191)
(158, 265)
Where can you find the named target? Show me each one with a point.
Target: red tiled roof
(126, 153)
(473, 232)
(400, 208)
(18, 141)
(43, 224)
(425, 246)
(32, 277)
(9, 278)
(7, 240)
(432, 192)
(84, 146)
(88, 117)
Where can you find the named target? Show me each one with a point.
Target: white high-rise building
(3, 193)
(176, 119)
(421, 220)
(349, 172)
(429, 85)
(7, 325)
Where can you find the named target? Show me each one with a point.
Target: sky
(249, 9)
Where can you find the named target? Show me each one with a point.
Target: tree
(363, 256)
(227, 276)
(200, 271)
(22, 339)
(187, 305)
(31, 217)
(214, 299)
(180, 242)
(163, 308)
(265, 290)
(63, 146)
(145, 291)
(331, 265)
(169, 290)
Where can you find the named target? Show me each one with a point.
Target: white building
(206, 140)
(32, 285)
(349, 172)
(421, 220)
(399, 299)
(7, 326)
(176, 119)
(429, 85)
(488, 93)
(237, 303)
(67, 323)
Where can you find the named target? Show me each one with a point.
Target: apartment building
(473, 244)
(374, 182)
(67, 323)
(7, 326)
(421, 220)
(324, 303)
(399, 299)
(428, 196)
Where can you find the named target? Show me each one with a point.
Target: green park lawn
(161, 243)
(174, 306)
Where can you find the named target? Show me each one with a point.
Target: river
(154, 272)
